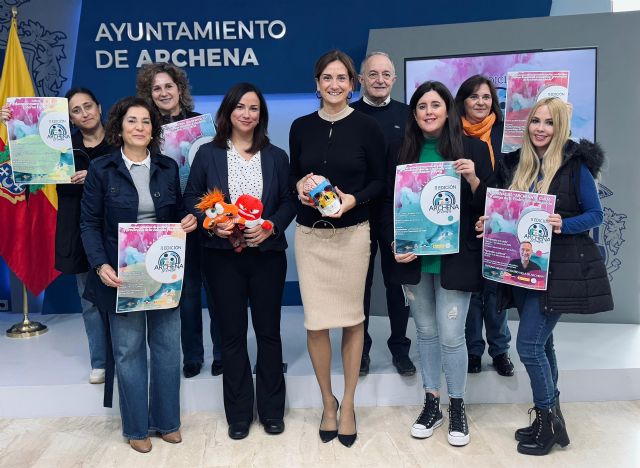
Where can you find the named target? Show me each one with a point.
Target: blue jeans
(535, 346)
(94, 326)
(440, 315)
(191, 307)
(483, 309)
(149, 397)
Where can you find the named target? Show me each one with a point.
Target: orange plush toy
(246, 212)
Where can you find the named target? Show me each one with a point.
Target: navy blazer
(110, 197)
(210, 170)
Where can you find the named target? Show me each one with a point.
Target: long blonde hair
(529, 166)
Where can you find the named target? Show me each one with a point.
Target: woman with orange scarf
(477, 103)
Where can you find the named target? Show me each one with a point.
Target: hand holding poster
(524, 89)
(150, 265)
(426, 215)
(517, 238)
(182, 140)
(40, 140)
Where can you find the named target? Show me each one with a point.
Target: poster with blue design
(426, 215)
(150, 265)
(182, 139)
(40, 140)
(517, 238)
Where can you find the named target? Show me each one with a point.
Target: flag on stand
(27, 212)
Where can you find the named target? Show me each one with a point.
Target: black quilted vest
(578, 281)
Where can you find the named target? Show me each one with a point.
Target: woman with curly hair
(167, 88)
(135, 184)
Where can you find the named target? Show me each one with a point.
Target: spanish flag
(28, 212)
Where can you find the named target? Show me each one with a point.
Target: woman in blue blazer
(240, 160)
(133, 185)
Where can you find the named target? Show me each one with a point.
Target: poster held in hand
(426, 209)
(150, 265)
(182, 139)
(40, 140)
(517, 238)
(524, 89)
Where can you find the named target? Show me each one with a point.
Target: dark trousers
(191, 307)
(235, 280)
(483, 310)
(398, 312)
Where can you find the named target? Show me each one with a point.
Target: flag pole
(26, 328)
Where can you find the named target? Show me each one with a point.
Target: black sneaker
(429, 419)
(458, 427)
(503, 365)
(364, 365)
(404, 366)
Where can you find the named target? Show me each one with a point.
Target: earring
(349, 95)
(318, 95)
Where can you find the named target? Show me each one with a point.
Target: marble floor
(603, 434)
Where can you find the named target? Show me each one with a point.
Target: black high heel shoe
(328, 436)
(348, 439)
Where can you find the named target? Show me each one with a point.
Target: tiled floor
(602, 435)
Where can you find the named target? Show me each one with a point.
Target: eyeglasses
(373, 76)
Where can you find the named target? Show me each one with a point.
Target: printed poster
(517, 238)
(40, 140)
(524, 89)
(183, 139)
(151, 266)
(426, 216)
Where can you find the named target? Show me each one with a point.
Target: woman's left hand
(256, 235)
(189, 223)
(467, 169)
(555, 220)
(347, 201)
(78, 177)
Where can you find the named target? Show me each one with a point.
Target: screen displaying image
(453, 70)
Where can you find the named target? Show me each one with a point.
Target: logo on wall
(609, 235)
(43, 49)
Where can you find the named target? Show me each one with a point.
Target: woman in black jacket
(241, 160)
(479, 109)
(85, 114)
(549, 162)
(438, 287)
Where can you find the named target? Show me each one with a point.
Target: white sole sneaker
(97, 376)
(458, 439)
(420, 432)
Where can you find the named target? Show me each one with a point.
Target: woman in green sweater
(438, 287)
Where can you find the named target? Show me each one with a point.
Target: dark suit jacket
(209, 170)
(110, 197)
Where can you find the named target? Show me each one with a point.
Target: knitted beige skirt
(332, 269)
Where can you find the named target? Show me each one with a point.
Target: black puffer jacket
(578, 281)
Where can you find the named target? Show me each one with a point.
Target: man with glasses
(377, 76)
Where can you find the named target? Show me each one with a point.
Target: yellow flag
(16, 79)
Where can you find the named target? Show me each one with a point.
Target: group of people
(356, 147)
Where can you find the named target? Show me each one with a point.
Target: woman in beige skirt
(344, 149)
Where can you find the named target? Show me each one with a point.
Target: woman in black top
(167, 87)
(479, 109)
(332, 252)
(239, 161)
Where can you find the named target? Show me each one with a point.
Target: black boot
(525, 434)
(550, 431)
